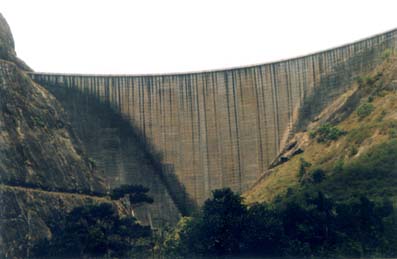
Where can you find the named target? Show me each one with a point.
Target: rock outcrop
(7, 46)
(38, 147)
(44, 171)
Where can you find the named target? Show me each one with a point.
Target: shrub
(312, 134)
(338, 167)
(176, 243)
(302, 169)
(379, 160)
(364, 110)
(393, 133)
(218, 229)
(360, 81)
(318, 176)
(369, 80)
(386, 53)
(353, 151)
(393, 129)
(328, 132)
(381, 116)
(95, 230)
(136, 194)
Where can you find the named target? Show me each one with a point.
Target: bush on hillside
(302, 168)
(365, 109)
(326, 133)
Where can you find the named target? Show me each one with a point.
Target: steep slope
(7, 46)
(348, 150)
(37, 144)
(27, 213)
(44, 172)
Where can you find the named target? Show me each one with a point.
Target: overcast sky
(138, 37)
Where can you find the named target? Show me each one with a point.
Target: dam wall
(223, 128)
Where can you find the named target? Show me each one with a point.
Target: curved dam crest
(223, 128)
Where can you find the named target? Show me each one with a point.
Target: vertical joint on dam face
(223, 128)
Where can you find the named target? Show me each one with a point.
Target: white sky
(135, 37)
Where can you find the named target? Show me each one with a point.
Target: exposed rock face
(37, 145)
(43, 169)
(38, 151)
(7, 46)
(25, 215)
(224, 128)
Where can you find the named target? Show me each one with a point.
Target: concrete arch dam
(223, 128)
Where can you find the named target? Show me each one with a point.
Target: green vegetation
(92, 162)
(37, 121)
(352, 180)
(370, 81)
(358, 135)
(373, 174)
(343, 211)
(318, 176)
(99, 230)
(387, 53)
(95, 230)
(302, 168)
(326, 133)
(364, 110)
(393, 133)
(136, 194)
(312, 226)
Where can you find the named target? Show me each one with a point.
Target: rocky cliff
(7, 46)
(43, 169)
(38, 147)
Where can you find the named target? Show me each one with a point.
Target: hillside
(349, 150)
(44, 172)
(7, 46)
(38, 146)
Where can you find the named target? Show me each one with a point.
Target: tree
(218, 230)
(136, 194)
(263, 231)
(95, 230)
(318, 176)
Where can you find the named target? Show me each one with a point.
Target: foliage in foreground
(99, 230)
(316, 225)
(136, 194)
(95, 230)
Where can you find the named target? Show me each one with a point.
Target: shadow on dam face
(221, 128)
(124, 155)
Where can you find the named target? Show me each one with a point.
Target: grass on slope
(370, 133)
